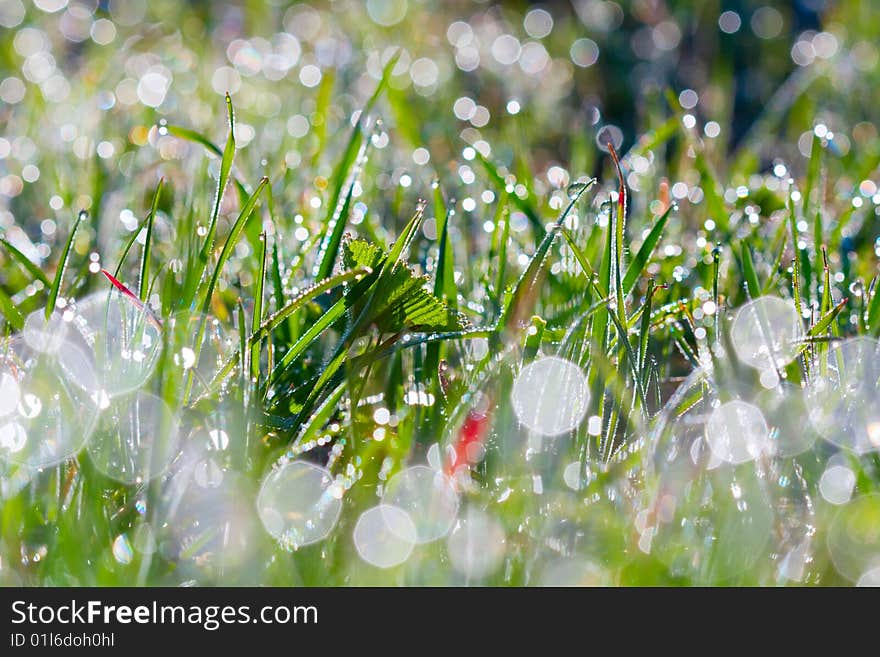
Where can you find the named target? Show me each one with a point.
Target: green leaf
(401, 300)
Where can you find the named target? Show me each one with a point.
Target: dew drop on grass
(384, 536)
(137, 437)
(122, 551)
(737, 432)
(296, 504)
(576, 188)
(765, 333)
(550, 396)
(428, 496)
(477, 545)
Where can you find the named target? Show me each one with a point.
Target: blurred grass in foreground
(357, 270)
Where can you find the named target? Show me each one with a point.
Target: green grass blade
(28, 266)
(748, 270)
(231, 241)
(145, 262)
(257, 318)
(645, 252)
(874, 311)
(344, 176)
(275, 320)
(514, 311)
(334, 313)
(222, 181)
(195, 137)
(12, 314)
(229, 245)
(522, 204)
(62, 265)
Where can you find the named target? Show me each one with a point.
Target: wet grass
(366, 315)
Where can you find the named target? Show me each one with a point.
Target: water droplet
(576, 188)
(844, 404)
(122, 551)
(45, 335)
(836, 484)
(121, 340)
(52, 420)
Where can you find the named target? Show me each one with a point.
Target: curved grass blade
(639, 263)
(513, 310)
(225, 168)
(344, 178)
(275, 320)
(230, 243)
(522, 204)
(232, 240)
(145, 262)
(62, 265)
(195, 137)
(25, 262)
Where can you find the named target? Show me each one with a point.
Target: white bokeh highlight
(550, 396)
(384, 536)
(298, 504)
(737, 432)
(428, 496)
(766, 332)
